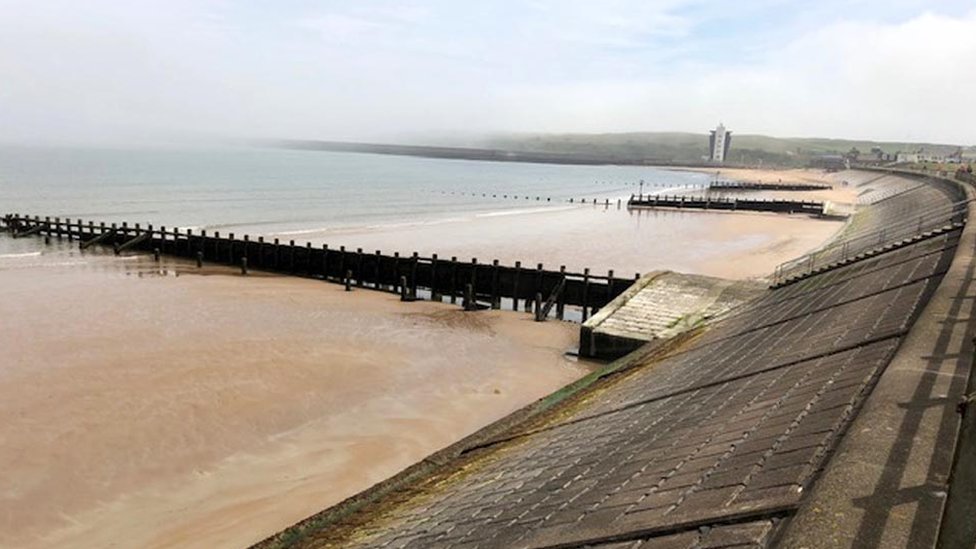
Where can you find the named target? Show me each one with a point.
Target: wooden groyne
(476, 284)
(745, 186)
(727, 204)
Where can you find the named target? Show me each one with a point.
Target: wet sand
(151, 410)
(601, 238)
(145, 409)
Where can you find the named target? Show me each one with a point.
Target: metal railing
(912, 226)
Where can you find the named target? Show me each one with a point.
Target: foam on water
(19, 255)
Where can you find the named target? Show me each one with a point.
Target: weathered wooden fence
(728, 204)
(746, 186)
(475, 282)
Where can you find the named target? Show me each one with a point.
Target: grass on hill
(690, 147)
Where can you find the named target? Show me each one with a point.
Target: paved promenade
(819, 414)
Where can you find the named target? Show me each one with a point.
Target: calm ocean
(281, 192)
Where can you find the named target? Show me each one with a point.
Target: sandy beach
(604, 238)
(840, 193)
(159, 406)
(211, 411)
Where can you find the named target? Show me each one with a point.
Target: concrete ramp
(658, 306)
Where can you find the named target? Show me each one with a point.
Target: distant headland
(642, 149)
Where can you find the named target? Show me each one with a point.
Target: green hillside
(690, 147)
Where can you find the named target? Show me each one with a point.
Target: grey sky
(121, 71)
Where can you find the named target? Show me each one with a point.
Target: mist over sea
(288, 193)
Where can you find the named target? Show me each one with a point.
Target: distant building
(921, 156)
(955, 157)
(719, 143)
(830, 162)
(878, 155)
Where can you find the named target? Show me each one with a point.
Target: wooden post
(496, 300)
(538, 285)
(469, 304)
(277, 255)
(376, 270)
(454, 270)
(609, 285)
(413, 274)
(474, 273)
(308, 258)
(538, 307)
(348, 278)
(156, 255)
(325, 261)
(586, 292)
(162, 238)
(342, 261)
(561, 303)
(403, 289)
(434, 295)
(199, 259)
(359, 267)
(291, 256)
(244, 265)
(515, 285)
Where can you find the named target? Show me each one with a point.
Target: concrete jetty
(823, 413)
(658, 307)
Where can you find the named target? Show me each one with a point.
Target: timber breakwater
(759, 186)
(682, 202)
(477, 285)
(728, 437)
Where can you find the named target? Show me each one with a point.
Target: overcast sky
(106, 71)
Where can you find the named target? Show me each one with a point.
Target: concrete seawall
(719, 442)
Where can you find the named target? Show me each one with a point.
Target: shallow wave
(109, 214)
(374, 227)
(24, 254)
(526, 211)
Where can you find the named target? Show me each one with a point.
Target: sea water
(276, 192)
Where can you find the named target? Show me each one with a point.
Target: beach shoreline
(201, 408)
(189, 406)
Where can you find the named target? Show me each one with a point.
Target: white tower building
(719, 143)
